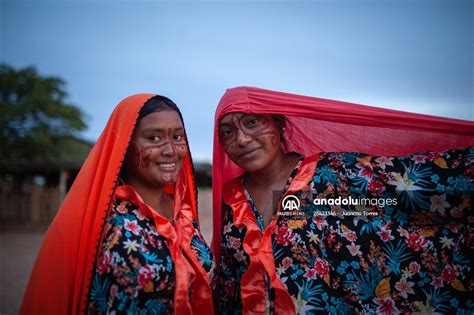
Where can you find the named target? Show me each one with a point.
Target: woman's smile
(249, 153)
(168, 167)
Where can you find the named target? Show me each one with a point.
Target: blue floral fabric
(134, 271)
(403, 246)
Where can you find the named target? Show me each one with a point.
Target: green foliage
(34, 115)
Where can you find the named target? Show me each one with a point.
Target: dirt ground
(18, 249)
(19, 246)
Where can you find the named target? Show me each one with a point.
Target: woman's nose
(242, 137)
(168, 149)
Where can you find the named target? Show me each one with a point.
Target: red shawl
(60, 280)
(316, 125)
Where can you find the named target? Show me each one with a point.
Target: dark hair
(156, 104)
(281, 122)
(279, 119)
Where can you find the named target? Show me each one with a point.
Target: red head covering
(61, 276)
(315, 125)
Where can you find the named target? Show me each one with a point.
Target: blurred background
(65, 65)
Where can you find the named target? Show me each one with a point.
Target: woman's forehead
(165, 119)
(230, 117)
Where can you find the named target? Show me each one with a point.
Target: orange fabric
(258, 245)
(60, 278)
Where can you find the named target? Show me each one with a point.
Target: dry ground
(19, 247)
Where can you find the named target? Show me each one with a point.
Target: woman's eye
(154, 138)
(253, 122)
(227, 132)
(178, 137)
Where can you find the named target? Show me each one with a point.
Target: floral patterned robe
(410, 257)
(134, 272)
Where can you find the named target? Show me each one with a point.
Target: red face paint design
(247, 125)
(149, 153)
(249, 140)
(158, 148)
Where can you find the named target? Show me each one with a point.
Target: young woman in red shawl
(407, 253)
(127, 238)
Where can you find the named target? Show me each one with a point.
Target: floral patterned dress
(409, 251)
(134, 272)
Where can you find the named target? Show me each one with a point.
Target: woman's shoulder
(124, 212)
(334, 167)
(233, 182)
(352, 158)
(232, 188)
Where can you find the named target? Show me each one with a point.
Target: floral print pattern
(235, 261)
(411, 255)
(134, 271)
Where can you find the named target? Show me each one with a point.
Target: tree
(34, 116)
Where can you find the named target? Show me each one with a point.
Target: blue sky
(409, 55)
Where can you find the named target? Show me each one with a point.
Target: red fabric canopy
(321, 125)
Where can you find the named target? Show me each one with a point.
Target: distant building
(32, 191)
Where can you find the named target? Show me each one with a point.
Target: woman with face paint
(127, 237)
(280, 251)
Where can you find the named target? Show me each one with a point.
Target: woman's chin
(253, 165)
(167, 179)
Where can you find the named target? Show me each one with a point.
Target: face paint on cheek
(229, 149)
(270, 135)
(137, 151)
(148, 154)
(184, 145)
(145, 157)
(274, 140)
(180, 148)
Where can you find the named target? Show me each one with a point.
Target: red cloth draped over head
(320, 125)
(61, 276)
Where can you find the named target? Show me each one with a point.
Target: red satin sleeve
(258, 245)
(188, 271)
